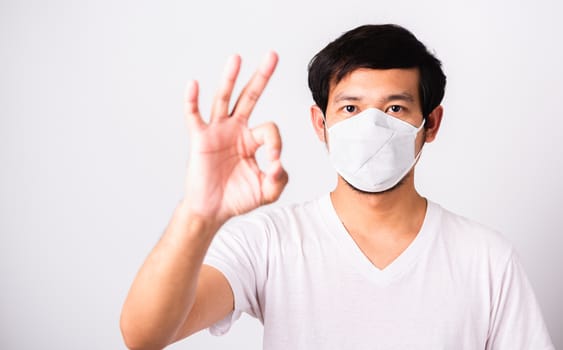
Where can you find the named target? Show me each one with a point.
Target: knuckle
(252, 95)
(190, 109)
(263, 74)
(224, 96)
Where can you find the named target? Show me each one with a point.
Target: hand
(223, 178)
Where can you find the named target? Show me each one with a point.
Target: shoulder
(471, 239)
(273, 219)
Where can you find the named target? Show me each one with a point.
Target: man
(372, 265)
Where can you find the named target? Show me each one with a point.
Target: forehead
(376, 84)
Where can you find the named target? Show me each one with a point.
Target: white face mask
(372, 150)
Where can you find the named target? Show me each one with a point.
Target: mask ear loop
(423, 141)
(421, 125)
(324, 126)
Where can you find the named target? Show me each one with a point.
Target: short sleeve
(239, 251)
(516, 321)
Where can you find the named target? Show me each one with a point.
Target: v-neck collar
(402, 263)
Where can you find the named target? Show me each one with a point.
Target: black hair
(383, 46)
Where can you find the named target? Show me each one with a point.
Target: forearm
(223, 179)
(163, 291)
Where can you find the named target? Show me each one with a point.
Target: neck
(397, 213)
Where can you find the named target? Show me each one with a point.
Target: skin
(173, 294)
(382, 224)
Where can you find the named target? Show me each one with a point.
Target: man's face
(394, 91)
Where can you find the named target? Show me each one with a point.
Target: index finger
(252, 91)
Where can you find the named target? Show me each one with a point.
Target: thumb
(273, 182)
(274, 179)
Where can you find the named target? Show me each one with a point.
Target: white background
(93, 144)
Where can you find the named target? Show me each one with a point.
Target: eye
(395, 108)
(350, 108)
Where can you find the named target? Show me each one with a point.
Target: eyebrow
(342, 97)
(404, 96)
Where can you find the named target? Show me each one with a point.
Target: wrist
(197, 221)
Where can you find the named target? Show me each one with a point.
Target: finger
(273, 182)
(220, 108)
(275, 177)
(268, 135)
(252, 91)
(191, 108)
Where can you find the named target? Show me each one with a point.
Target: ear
(433, 122)
(317, 118)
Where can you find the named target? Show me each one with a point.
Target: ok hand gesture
(223, 177)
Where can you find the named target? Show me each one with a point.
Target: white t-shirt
(457, 286)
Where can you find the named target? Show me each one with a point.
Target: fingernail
(190, 86)
(230, 62)
(271, 55)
